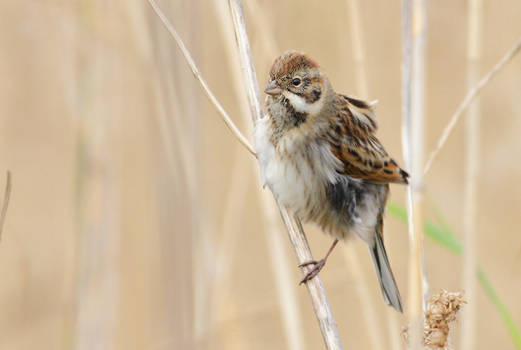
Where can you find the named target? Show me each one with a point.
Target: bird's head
(296, 79)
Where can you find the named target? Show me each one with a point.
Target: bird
(319, 155)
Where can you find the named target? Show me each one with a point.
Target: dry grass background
(122, 173)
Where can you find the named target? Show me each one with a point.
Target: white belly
(297, 170)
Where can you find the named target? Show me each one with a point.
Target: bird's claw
(314, 271)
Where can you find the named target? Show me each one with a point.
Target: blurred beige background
(127, 187)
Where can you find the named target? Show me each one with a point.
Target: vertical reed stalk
(468, 336)
(5, 203)
(192, 253)
(414, 17)
(418, 129)
(205, 253)
(286, 288)
(181, 324)
(357, 47)
(97, 220)
(179, 168)
(297, 237)
(271, 50)
(197, 74)
(236, 195)
(296, 233)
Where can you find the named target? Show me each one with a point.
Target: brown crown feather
(290, 61)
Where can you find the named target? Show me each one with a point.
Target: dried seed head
(441, 311)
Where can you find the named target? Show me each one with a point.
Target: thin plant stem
(442, 234)
(315, 288)
(413, 57)
(202, 303)
(239, 180)
(5, 203)
(197, 74)
(286, 289)
(358, 47)
(97, 198)
(296, 233)
(271, 49)
(196, 250)
(174, 139)
(471, 95)
(468, 337)
(227, 245)
(419, 44)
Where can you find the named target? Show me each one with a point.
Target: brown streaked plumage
(320, 157)
(362, 155)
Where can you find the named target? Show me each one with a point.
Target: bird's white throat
(302, 106)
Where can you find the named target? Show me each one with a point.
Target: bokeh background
(136, 220)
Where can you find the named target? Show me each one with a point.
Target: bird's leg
(318, 264)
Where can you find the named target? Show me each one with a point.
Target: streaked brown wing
(353, 143)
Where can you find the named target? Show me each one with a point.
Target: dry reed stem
(178, 139)
(471, 95)
(97, 199)
(205, 273)
(406, 116)
(197, 74)
(315, 288)
(178, 145)
(246, 60)
(236, 194)
(286, 288)
(226, 245)
(204, 255)
(5, 204)
(357, 47)
(175, 138)
(184, 329)
(413, 52)
(468, 338)
(419, 26)
(296, 233)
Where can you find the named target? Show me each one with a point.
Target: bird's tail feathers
(388, 285)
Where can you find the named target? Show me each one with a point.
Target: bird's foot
(314, 271)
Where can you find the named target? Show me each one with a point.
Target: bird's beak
(272, 88)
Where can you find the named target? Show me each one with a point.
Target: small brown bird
(319, 156)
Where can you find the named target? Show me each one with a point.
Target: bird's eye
(296, 82)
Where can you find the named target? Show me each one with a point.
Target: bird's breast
(295, 168)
